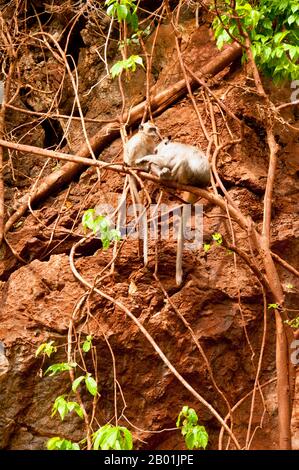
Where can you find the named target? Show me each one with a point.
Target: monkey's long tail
(180, 246)
(140, 219)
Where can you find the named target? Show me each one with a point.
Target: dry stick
(202, 83)
(149, 61)
(152, 342)
(215, 172)
(5, 99)
(285, 264)
(191, 96)
(52, 115)
(256, 382)
(286, 105)
(108, 133)
(260, 276)
(231, 228)
(237, 406)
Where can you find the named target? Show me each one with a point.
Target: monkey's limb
(159, 160)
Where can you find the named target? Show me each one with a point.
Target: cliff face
(218, 309)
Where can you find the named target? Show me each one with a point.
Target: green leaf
(110, 437)
(280, 36)
(74, 406)
(273, 306)
(133, 21)
(206, 247)
(122, 12)
(117, 69)
(111, 10)
(57, 443)
(217, 237)
(46, 348)
(62, 367)
(195, 435)
(91, 385)
(197, 438)
(77, 382)
(87, 344)
(294, 323)
(60, 406)
(88, 219)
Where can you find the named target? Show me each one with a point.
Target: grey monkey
(178, 162)
(142, 143)
(184, 164)
(139, 145)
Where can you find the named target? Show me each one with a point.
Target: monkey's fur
(184, 164)
(179, 162)
(139, 145)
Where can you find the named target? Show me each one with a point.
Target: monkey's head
(162, 144)
(149, 129)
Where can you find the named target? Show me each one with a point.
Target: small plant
(87, 344)
(63, 407)
(123, 10)
(61, 367)
(110, 437)
(217, 237)
(90, 384)
(129, 64)
(134, 39)
(294, 323)
(273, 306)
(100, 226)
(57, 443)
(273, 29)
(196, 436)
(206, 247)
(46, 348)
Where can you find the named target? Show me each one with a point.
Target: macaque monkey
(141, 144)
(184, 164)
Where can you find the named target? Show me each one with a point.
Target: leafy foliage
(195, 436)
(100, 226)
(294, 323)
(57, 443)
(127, 64)
(64, 407)
(273, 29)
(134, 39)
(110, 437)
(87, 344)
(46, 348)
(90, 384)
(273, 306)
(123, 10)
(61, 367)
(206, 247)
(217, 237)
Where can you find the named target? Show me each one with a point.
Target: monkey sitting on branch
(141, 144)
(184, 164)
